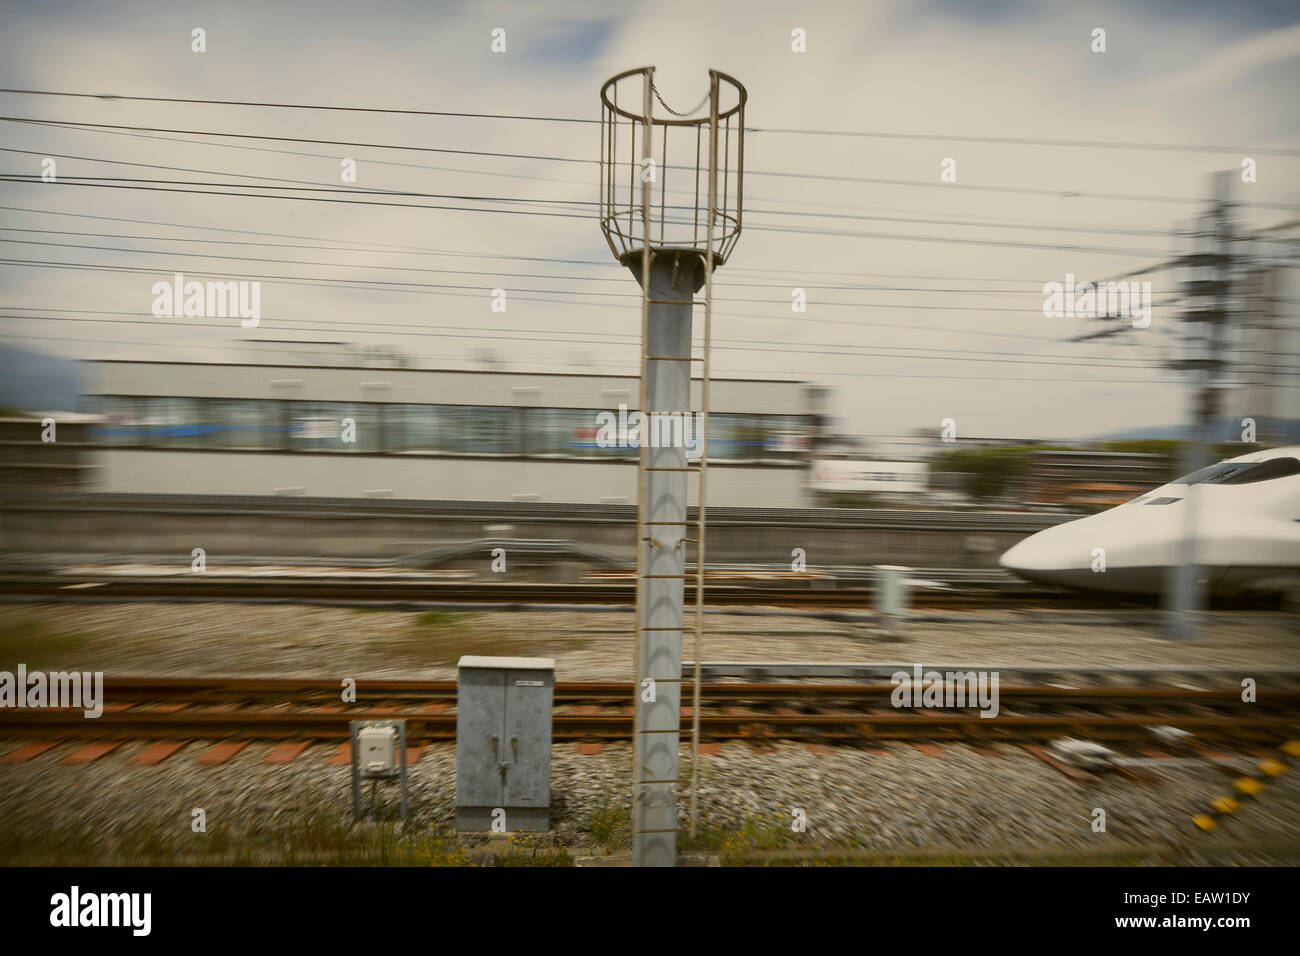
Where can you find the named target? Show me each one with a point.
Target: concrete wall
(334, 534)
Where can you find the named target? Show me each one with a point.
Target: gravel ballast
(963, 804)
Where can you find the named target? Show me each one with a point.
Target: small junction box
(378, 753)
(378, 746)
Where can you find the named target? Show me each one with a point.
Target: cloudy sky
(925, 298)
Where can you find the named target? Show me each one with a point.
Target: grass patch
(842, 856)
(527, 849)
(428, 638)
(610, 824)
(315, 838)
(28, 639)
(439, 618)
(738, 845)
(442, 637)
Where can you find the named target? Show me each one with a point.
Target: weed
(609, 824)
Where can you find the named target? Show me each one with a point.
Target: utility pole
(671, 255)
(1211, 286)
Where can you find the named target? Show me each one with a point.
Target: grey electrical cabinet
(503, 742)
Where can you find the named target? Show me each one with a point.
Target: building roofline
(387, 369)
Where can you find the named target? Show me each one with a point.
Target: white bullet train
(1247, 521)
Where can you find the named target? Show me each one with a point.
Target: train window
(757, 437)
(246, 423)
(1242, 472)
(176, 423)
(1264, 471)
(333, 426)
(412, 428)
(452, 429)
(123, 420)
(571, 433)
(1214, 474)
(735, 437)
(785, 437)
(478, 430)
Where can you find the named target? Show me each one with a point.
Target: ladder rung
(672, 522)
(674, 780)
(675, 301)
(664, 575)
(660, 629)
(673, 358)
(666, 680)
(688, 468)
(669, 730)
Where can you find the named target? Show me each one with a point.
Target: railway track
(252, 709)
(236, 507)
(368, 591)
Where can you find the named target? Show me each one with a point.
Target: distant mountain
(35, 381)
(1225, 429)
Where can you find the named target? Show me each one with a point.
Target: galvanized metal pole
(640, 853)
(663, 556)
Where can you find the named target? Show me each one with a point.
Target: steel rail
(290, 690)
(300, 725)
(217, 587)
(160, 707)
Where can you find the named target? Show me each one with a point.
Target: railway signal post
(670, 208)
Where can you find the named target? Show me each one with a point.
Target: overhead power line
(817, 287)
(302, 106)
(740, 345)
(820, 177)
(866, 180)
(306, 186)
(862, 134)
(747, 372)
(1005, 243)
(387, 285)
(800, 274)
(1038, 141)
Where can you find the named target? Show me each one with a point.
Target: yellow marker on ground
(1249, 786)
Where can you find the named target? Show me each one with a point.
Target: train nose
(1116, 550)
(1053, 549)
